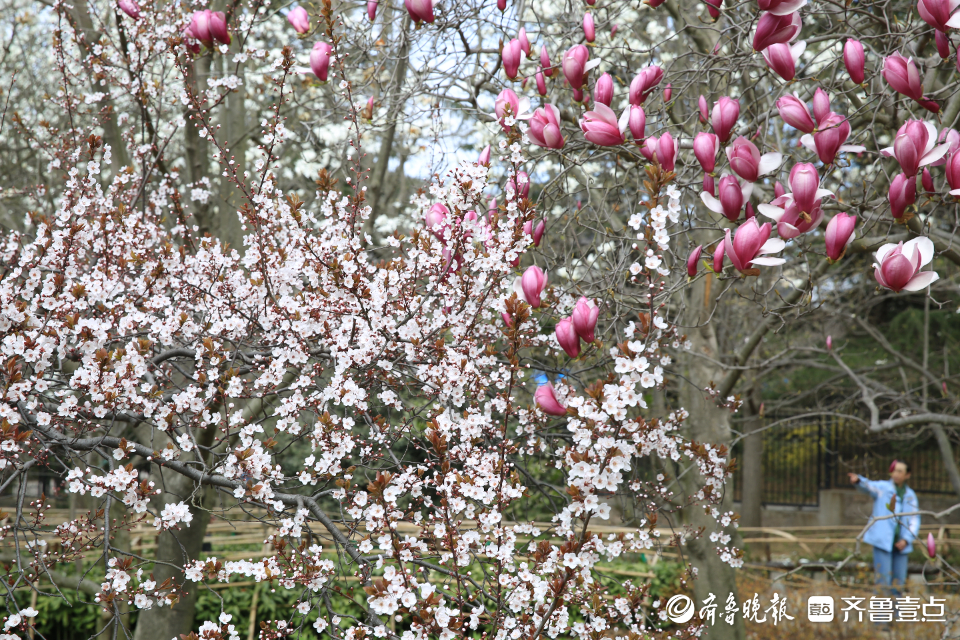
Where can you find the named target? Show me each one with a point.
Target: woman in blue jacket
(891, 537)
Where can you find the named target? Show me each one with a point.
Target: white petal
(922, 244)
(921, 280)
(772, 245)
(624, 120)
(592, 64)
(955, 192)
(747, 190)
(931, 136)
(851, 148)
(770, 211)
(523, 105)
(954, 21)
(789, 7)
(887, 152)
(934, 154)
(797, 50)
(807, 141)
(769, 163)
(712, 203)
(823, 193)
(519, 289)
(767, 262)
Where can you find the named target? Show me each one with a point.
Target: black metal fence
(800, 461)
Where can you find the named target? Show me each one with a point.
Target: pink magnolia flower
(791, 222)
(939, 14)
(584, 318)
(778, 189)
(576, 64)
(524, 41)
(829, 140)
(320, 60)
(931, 542)
(854, 60)
(420, 10)
(649, 148)
(953, 174)
(916, 146)
(545, 128)
(794, 112)
(943, 44)
(666, 151)
(536, 233)
(130, 7)
(718, 258)
(546, 399)
(511, 58)
(601, 126)
(724, 116)
(567, 337)
(637, 123)
(774, 29)
(644, 83)
(589, 31)
(206, 26)
(299, 19)
(748, 211)
(667, 92)
(436, 219)
(704, 114)
(613, 31)
(541, 83)
(530, 285)
(926, 179)
(839, 234)
(705, 148)
(519, 184)
(603, 90)
(746, 161)
(545, 61)
(372, 10)
(782, 58)
(508, 105)
(750, 243)
(829, 343)
(902, 194)
(484, 159)
(904, 78)
(821, 105)
(805, 183)
(502, 5)
(731, 197)
(708, 184)
(781, 7)
(713, 8)
(693, 259)
(898, 265)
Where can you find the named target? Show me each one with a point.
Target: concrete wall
(840, 507)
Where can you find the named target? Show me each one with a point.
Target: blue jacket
(880, 533)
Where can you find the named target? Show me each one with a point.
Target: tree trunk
(234, 129)
(174, 549)
(707, 424)
(751, 494)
